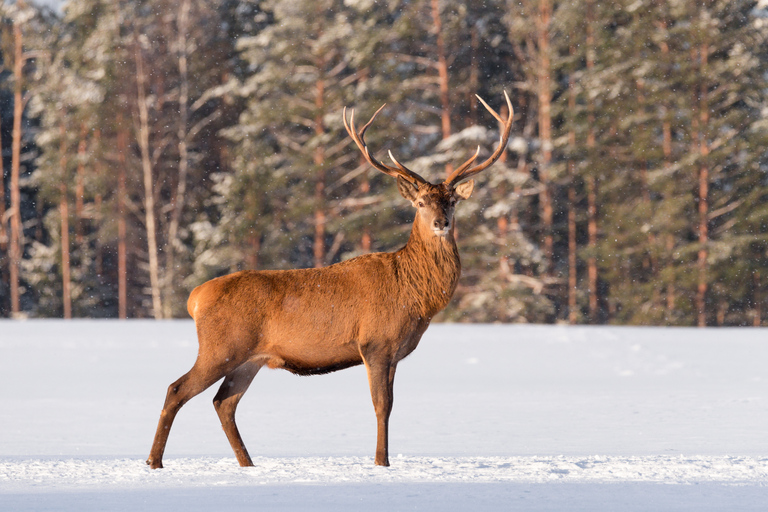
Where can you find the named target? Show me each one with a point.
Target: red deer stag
(369, 310)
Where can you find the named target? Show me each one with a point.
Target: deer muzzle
(441, 226)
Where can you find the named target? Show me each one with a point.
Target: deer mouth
(441, 232)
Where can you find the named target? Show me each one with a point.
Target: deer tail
(192, 302)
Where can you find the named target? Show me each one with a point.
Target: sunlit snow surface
(485, 418)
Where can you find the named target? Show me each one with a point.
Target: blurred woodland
(150, 145)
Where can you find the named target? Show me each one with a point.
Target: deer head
(435, 202)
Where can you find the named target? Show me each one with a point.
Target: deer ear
(407, 189)
(464, 190)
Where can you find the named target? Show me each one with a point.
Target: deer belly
(313, 347)
(312, 357)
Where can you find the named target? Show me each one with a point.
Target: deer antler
(359, 139)
(464, 171)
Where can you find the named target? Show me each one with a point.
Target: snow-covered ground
(485, 418)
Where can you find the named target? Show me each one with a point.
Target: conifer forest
(151, 145)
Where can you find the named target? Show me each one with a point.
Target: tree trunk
(4, 259)
(650, 259)
(545, 127)
(671, 291)
(502, 223)
(442, 73)
(443, 83)
(181, 188)
(319, 159)
(98, 259)
(592, 243)
(252, 256)
(98, 219)
(701, 291)
(666, 147)
(149, 197)
(16, 234)
(365, 239)
(66, 293)
(3, 228)
(522, 162)
(66, 281)
(590, 179)
(474, 74)
(80, 188)
(757, 299)
(122, 260)
(573, 315)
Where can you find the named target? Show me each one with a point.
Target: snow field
(545, 418)
(88, 474)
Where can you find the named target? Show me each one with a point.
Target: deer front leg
(381, 377)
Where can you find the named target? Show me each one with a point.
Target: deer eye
(421, 204)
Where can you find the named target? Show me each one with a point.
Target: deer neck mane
(429, 267)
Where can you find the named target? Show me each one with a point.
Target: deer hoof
(155, 464)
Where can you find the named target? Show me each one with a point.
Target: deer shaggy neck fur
(430, 268)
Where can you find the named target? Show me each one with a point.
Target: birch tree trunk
(650, 260)
(545, 126)
(4, 257)
(701, 292)
(365, 240)
(16, 234)
(319, 159)
(666, 146)
(80, 189)
(66, 288)
(122, 260)
(3, 228)
(590, 179)
(474, 74)
(442, 73)
(66, 281)
(149, 197)
(181, 188)
(573, 315)
(757, 299)
(98, 203)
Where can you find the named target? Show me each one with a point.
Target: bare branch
(192, 133)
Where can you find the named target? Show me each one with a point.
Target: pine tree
(291, 137)
(24, 30)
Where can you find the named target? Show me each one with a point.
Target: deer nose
(440, 223)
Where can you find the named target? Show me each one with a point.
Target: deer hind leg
(191, 384)
(381, 378)
(231, 391)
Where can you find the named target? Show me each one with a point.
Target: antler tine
(360, 141)
(370, 121)
(469, 162)
(359, 138)
(489, 109)
(405, 169)
(464, 172)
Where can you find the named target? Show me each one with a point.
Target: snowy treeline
(150, 145)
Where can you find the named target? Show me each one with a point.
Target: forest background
(150, 145)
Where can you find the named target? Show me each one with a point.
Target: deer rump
(306, 321)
